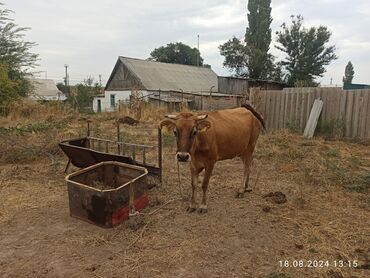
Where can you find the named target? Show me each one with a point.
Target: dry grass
(326, 183)
(316, 162)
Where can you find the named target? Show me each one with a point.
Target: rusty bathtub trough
(107, 193)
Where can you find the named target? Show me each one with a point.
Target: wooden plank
(367, 119)
(292, 109)
(297, 107)
(337, 104)
(281, 109)
(268, 109)
(271, 110)
(276, 110)
(342, 109)
(362, 113)
(287, 108)
(313, 119)
(263, 103)
(348, 115)
(310, 100)
(324, 98)
(355, 113)
(302, 108)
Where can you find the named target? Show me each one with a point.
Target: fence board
(302, 108)
(292, 106)
(313, 119)
(367, 118)
(356, 111)
(281, 109)
(362, 115)
(310, 100)
(268, 108)
(287, 108)
(277, 112)
(348, 117)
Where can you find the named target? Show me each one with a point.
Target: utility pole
(198, 56)
(66, 81)
(100, 80)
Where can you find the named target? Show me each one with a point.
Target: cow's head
(186, 127)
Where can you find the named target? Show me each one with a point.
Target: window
(112, 100)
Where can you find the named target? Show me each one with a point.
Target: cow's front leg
(207, 175)
(194, 182)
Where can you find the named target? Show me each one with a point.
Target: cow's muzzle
(183, 156)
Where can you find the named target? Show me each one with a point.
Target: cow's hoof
(202, 209)
(191, 209)
(248, 189)
(239, 195)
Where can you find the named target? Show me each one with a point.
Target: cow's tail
(255, 113)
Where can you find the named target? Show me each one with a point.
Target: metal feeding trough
(107, 193)
(87, 151)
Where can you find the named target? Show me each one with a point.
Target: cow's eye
(194, 132)
(175, 132)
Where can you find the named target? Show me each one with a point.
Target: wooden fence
(346, 113)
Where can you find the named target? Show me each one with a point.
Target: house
(200, 100)
(169, 102)
(154, 81)
(241, 85)
(45, 89)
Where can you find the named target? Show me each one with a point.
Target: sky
(89, 35)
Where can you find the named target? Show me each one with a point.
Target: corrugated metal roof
(170, 99)
(171, 77)
(45, 87)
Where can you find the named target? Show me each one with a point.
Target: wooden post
(160, 154)
(118, 138)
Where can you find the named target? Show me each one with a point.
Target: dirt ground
(322, 220)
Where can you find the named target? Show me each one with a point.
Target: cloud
(90, 35)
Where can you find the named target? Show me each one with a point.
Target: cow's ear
(167, 125)
(203, 125)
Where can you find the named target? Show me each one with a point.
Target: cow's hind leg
(247, 161)
(207, 175)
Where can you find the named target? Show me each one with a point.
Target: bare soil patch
(324, 217)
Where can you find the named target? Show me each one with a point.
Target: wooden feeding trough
(107, 193)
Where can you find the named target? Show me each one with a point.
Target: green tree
(61, 87)
(15, 56)
(306, 52)
(251, 58)
(83, 94)
(8, 88)
(348, 73)
(177, 53)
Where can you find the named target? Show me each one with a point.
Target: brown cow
(207, 138)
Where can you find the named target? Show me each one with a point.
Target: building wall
(61, 97)
(216, 103)
(106, 105)
(227, 85)
(241, 86)
(207, 102)
(123, 79)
